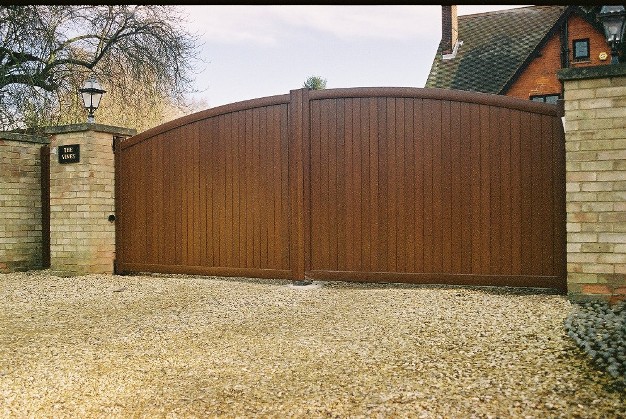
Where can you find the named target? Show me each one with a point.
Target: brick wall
(595, 142)
(82, 197)
(580, 29)
(540, 78)
(20, 202)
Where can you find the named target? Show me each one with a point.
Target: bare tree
(47, 51)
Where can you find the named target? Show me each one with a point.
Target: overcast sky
(257, 51)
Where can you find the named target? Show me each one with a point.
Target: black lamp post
(614, 20)
(91, 93)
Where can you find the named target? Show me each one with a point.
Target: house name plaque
(69, 153)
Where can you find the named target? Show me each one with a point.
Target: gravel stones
(600, 330)
(183, 346)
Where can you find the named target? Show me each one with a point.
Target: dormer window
(581, 49)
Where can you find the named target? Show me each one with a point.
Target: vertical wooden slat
(495, 253)
(134, 226)
(151, 213)
(228, 162)
(504, 138)
(131, 223)
(190, 186)
(404, 242)
(351, 188)
(428, 190)
(159, 199)
(516, 193)
(122, 195)
(547, 213)
(391, 200)
(467, 165)
(287, 256)
(374, 184)
(184, 186)
(330, 182)
(184, 189)
(182, 198)
(401, 213)
(383, 162)
(455, 197)
(446, 186)
(212, 197)
(197, 215)
(485, 184)
(168, 225)
(318, 192)
(342, 215)
(275, 184)
(192, 199)
(526, 187)
(476, 189)
(256, 194)
(281, 154)
(536, 195)
(363, 150)
(265, 174)
(437, 188)
(236, 180)
(250, 191)
(356, 229)
(419, 138)
(143, 204)
(246, 189)
(202, 195)
(219, 222)
(409, 186)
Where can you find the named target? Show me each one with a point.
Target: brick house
(517, 52)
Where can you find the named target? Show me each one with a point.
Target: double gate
(364, 184)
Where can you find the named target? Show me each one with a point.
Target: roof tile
(495, 45)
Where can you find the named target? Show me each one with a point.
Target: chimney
(449, 28)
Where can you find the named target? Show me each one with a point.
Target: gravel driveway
(182, 346)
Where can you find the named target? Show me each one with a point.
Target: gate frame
(299, 136)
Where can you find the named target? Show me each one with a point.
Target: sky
(249, 52)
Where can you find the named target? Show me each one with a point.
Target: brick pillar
(20, 202)
(595, 143)
(82, 197)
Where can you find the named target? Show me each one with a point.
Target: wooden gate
(366, 184)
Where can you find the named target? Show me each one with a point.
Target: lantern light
(91, 93)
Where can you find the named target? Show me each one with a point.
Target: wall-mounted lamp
(91, 93)
(614, 20)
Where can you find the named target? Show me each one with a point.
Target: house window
(581, 49)
(552, 98)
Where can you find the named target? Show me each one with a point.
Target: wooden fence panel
(444, 190)
(210, 196)
(368, 184)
